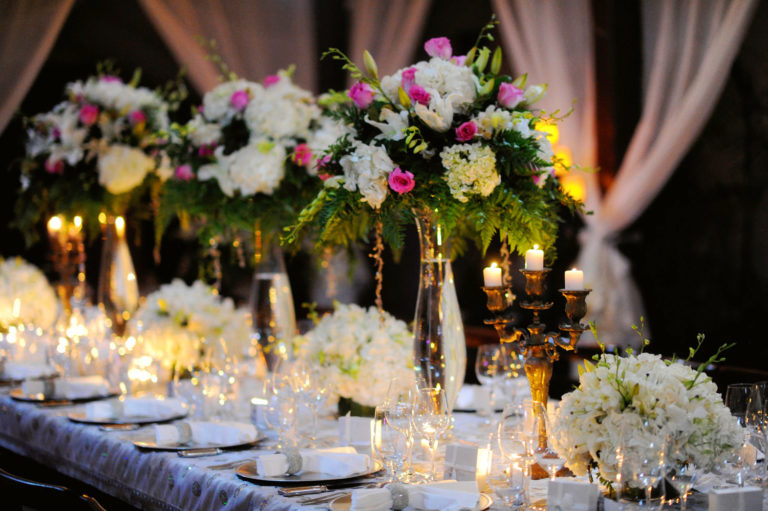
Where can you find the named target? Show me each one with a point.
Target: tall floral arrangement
(25, 295)
(248, 155)
(93, 152)
(634, 400)
(451, 135)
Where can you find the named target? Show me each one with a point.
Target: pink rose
(509, 95)
(110, 78)
(418, 94)
(401, 182)
(206, 150)
(239, 99)
(323, 176)
(362, 94)
(54, 167)
(137, 117)
(439, 47)
(459, 60)
(89, 114)
(270, 80)
(466, 131)
(302, 155)
(408, 78)
(183, 173)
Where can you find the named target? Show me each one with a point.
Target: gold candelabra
(539, 346)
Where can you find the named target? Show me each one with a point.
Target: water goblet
(388, 444)
(431, 419)
(509, 480)
(489, 371)
(542, 433)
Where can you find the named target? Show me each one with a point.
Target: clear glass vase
(440, 352)
(271, 302)
(118, 291)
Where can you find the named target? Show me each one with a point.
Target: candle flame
(120, 226)
(78, 220)
(494, 265)
(535, 247)
(574, 269)
(54, 224)
(102, 218)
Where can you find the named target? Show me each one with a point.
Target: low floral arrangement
(655, 400)
(247, 156)
(93, 152)
(176, 320)
(449, 135)
(25, 295)
(360, 352)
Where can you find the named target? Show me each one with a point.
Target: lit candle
(574, 280)
(534, 259)
(54, 226)
(120, 226)
(492, 275)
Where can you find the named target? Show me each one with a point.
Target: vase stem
(118, 291)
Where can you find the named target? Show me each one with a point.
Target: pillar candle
(492, 276)
(574, 280)
(534, 259)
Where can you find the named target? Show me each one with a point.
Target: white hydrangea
(217, 106)
(470, 170)
(122, 168)
(37, 303)
(203, 133)
(326, 133)
(493, 120)
(176, 319)
(120, 97)
(256, 168)
(591, 419)
(359, 352)
(366, 169)
(283, 110)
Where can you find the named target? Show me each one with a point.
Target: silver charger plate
(149, 443)
(81, 418)
(19, 395)
(4, 382)
(344, 502)
(249, 472)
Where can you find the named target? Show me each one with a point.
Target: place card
(355, 430)
(563, 494)
(466, 462)
(747, 498)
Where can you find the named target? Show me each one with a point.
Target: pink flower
(56, 132)
(459, 60)
(89, 114)
(324, 176)
(54, 167)
(362, 94)
(418, 94)
(137, 117)
(439, 47)
(270, 80)
(401, 182)
(466, 131)
(509, 95)
(323, 162)
(302, 155)
(110, 78)
(183, 173)
(206, 150)
(239, 99)
(408, 78)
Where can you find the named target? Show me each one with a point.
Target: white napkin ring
(399, 494)
(185, 432)
(295, 461)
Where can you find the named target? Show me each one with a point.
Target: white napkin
(355, 430)
(272, 465)
(79, 387)
(336, 462)
(207, 433)
(748, 498)
(25, 370)
(134, 407)
(564, 494)
(371, 499)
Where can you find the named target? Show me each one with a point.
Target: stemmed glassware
(746, 402)
(642, 461)
(431, 419)
(388, 443)
(682, 477)
(489, 369)
(280, 393)
(541, 432)
(398, 416)
(312, 390)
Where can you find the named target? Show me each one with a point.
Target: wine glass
(509, 480)
(736, 399)
(310, 386)
(388, 443)
(680, 474)
(543, 434)
(432, 419)
(512, 431)
(398, 413)
(643, 460)
(489, 371)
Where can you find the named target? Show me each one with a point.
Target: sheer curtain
(254, 37)
(390, 30)
(28, 31)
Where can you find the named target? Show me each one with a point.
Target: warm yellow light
(535, 247)
(102, 218)
(54, 224)
(574, 186)
(563, 160)
(550, 128)
(494, 265)
(78, 221)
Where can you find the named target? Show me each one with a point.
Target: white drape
(28, 31)
(254, 37)
(389, 29)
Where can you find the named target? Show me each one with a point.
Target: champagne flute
(388, 443)
(488, 371)
(543, 429)
(432, 419)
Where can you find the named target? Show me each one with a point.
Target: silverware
(227, 466)
(199, 453)
(119, 427)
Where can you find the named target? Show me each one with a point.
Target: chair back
(28, 494)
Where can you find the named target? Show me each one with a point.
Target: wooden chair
(26, 494)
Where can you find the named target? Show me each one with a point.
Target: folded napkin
(134, 407)
(335, 462)
(79, 387)
(205, 433)
(25, 370)
(572, 495)
(443, 495)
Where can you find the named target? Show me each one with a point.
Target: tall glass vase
(118, 291)
(440, 352)
(271, 302)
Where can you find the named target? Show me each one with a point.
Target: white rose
(123, 168)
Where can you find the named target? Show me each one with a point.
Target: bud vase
(118, 291)
(440, 352)
(271, 301)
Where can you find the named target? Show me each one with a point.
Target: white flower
(394, 125)
(327, 133)
(122, 168)
(283, 110)
(360, 352)
(470, 170)
(217, 106)
(493, 120)
(37, 304)
(203, 133)
(256, 168)
(366, 169)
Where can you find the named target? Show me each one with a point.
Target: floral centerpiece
(177, 322)
(653, 400)
(93, 152)
(360, 351)
(25, 295)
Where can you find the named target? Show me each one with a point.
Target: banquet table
(108, 461)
